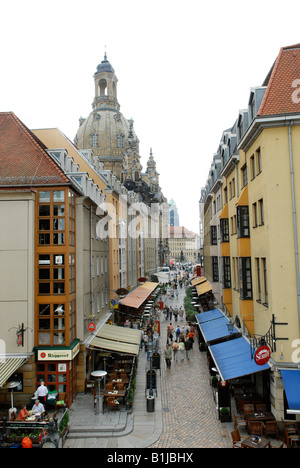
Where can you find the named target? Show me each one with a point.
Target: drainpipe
(294, 217)
(91, 264)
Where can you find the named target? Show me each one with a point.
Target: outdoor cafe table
(263, 417)
(121, 381)
(248, 443)
(114, 393)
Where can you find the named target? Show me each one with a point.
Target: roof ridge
(260, 110)
(37, 143)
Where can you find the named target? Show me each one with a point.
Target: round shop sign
(262, 355)
(43, 355)
(91, 327)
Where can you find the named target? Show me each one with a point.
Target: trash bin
(153, 374)
(156, 361)
(150, 404)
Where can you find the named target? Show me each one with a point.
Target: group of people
(181, 347)
(169, 312)
(39, 407)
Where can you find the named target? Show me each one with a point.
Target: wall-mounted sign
(262, 355)
(66, 354)
(91, 327)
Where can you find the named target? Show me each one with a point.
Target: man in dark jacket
(188, 347)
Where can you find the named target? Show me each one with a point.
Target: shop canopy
(137, 297)
(198, 280)
(291, 382)
(8, 365)
(203, 288)
(214, 325)
(118, 339)
(234, 359)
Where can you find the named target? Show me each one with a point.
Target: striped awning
(8, 365)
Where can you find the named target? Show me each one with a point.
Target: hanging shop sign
(262, 355)
(91, 326)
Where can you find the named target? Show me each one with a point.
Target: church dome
(105, 66)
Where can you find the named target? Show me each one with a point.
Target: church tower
(106, 131)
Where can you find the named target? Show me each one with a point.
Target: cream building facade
(258, 261)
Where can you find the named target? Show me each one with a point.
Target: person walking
(181, 350)
(175, 347)
(188, 346)
(168, 356)
(180, 313)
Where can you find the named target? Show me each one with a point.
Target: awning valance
(291, 382)
(233, 359)
(115, 346)
(224, 212)
(8, 365)
(243, 198)
(125, 335)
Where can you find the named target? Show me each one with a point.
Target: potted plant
(224, 414)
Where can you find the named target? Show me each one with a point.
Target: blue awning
(213, 325)
(209, 315)
(291, 382)
(233, 359)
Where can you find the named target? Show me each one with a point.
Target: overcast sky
(185, 69)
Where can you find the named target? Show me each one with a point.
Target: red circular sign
(91, 327)
(43, 355)
(262, 355)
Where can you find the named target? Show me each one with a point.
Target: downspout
(294, 217)
(91, 265)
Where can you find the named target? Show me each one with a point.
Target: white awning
(8, 365)
(115, 346)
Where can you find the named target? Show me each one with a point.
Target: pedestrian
(181, 349)
(42, 393)
(175, 350)
(188, 346)
(176, 314)
(171, 313)
(177, 334)
(168, 356)
(180, 313)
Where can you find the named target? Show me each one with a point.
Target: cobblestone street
(189, 410)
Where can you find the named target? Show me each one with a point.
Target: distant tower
(174, 217)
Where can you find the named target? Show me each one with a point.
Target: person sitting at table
(23, 414)
(38, 409)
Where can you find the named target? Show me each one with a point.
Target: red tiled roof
(23, 159)
(180, 232)
(283, 92)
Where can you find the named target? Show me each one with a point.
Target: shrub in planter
(225, 415)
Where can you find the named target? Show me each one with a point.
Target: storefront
(57, 367)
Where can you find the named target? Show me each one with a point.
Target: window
(224, 224)
(94, 142)
(257, 260)
(226, 272)
(215, 269)
(254, 214)
(213, 235)
(252, 167)
(244, 176)
(245, 278)
(243, 221)
(265, 283)
(258, 161)
(261, 211)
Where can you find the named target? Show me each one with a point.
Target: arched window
(103, 87)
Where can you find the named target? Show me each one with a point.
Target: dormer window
(94, 140)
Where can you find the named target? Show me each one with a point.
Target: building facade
(255, 222)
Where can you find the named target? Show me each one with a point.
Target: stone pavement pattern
(188, 407)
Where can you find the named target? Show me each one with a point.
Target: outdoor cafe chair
(112, 403)
(249, 408)
(109, 386)
(239, 421)
(113, 376)
(256, 428)
(271, 428)
(261, 407)
(236, 439)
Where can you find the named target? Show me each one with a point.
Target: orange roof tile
(23, 157)
(283, 92)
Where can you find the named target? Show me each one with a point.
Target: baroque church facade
(113, 141)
